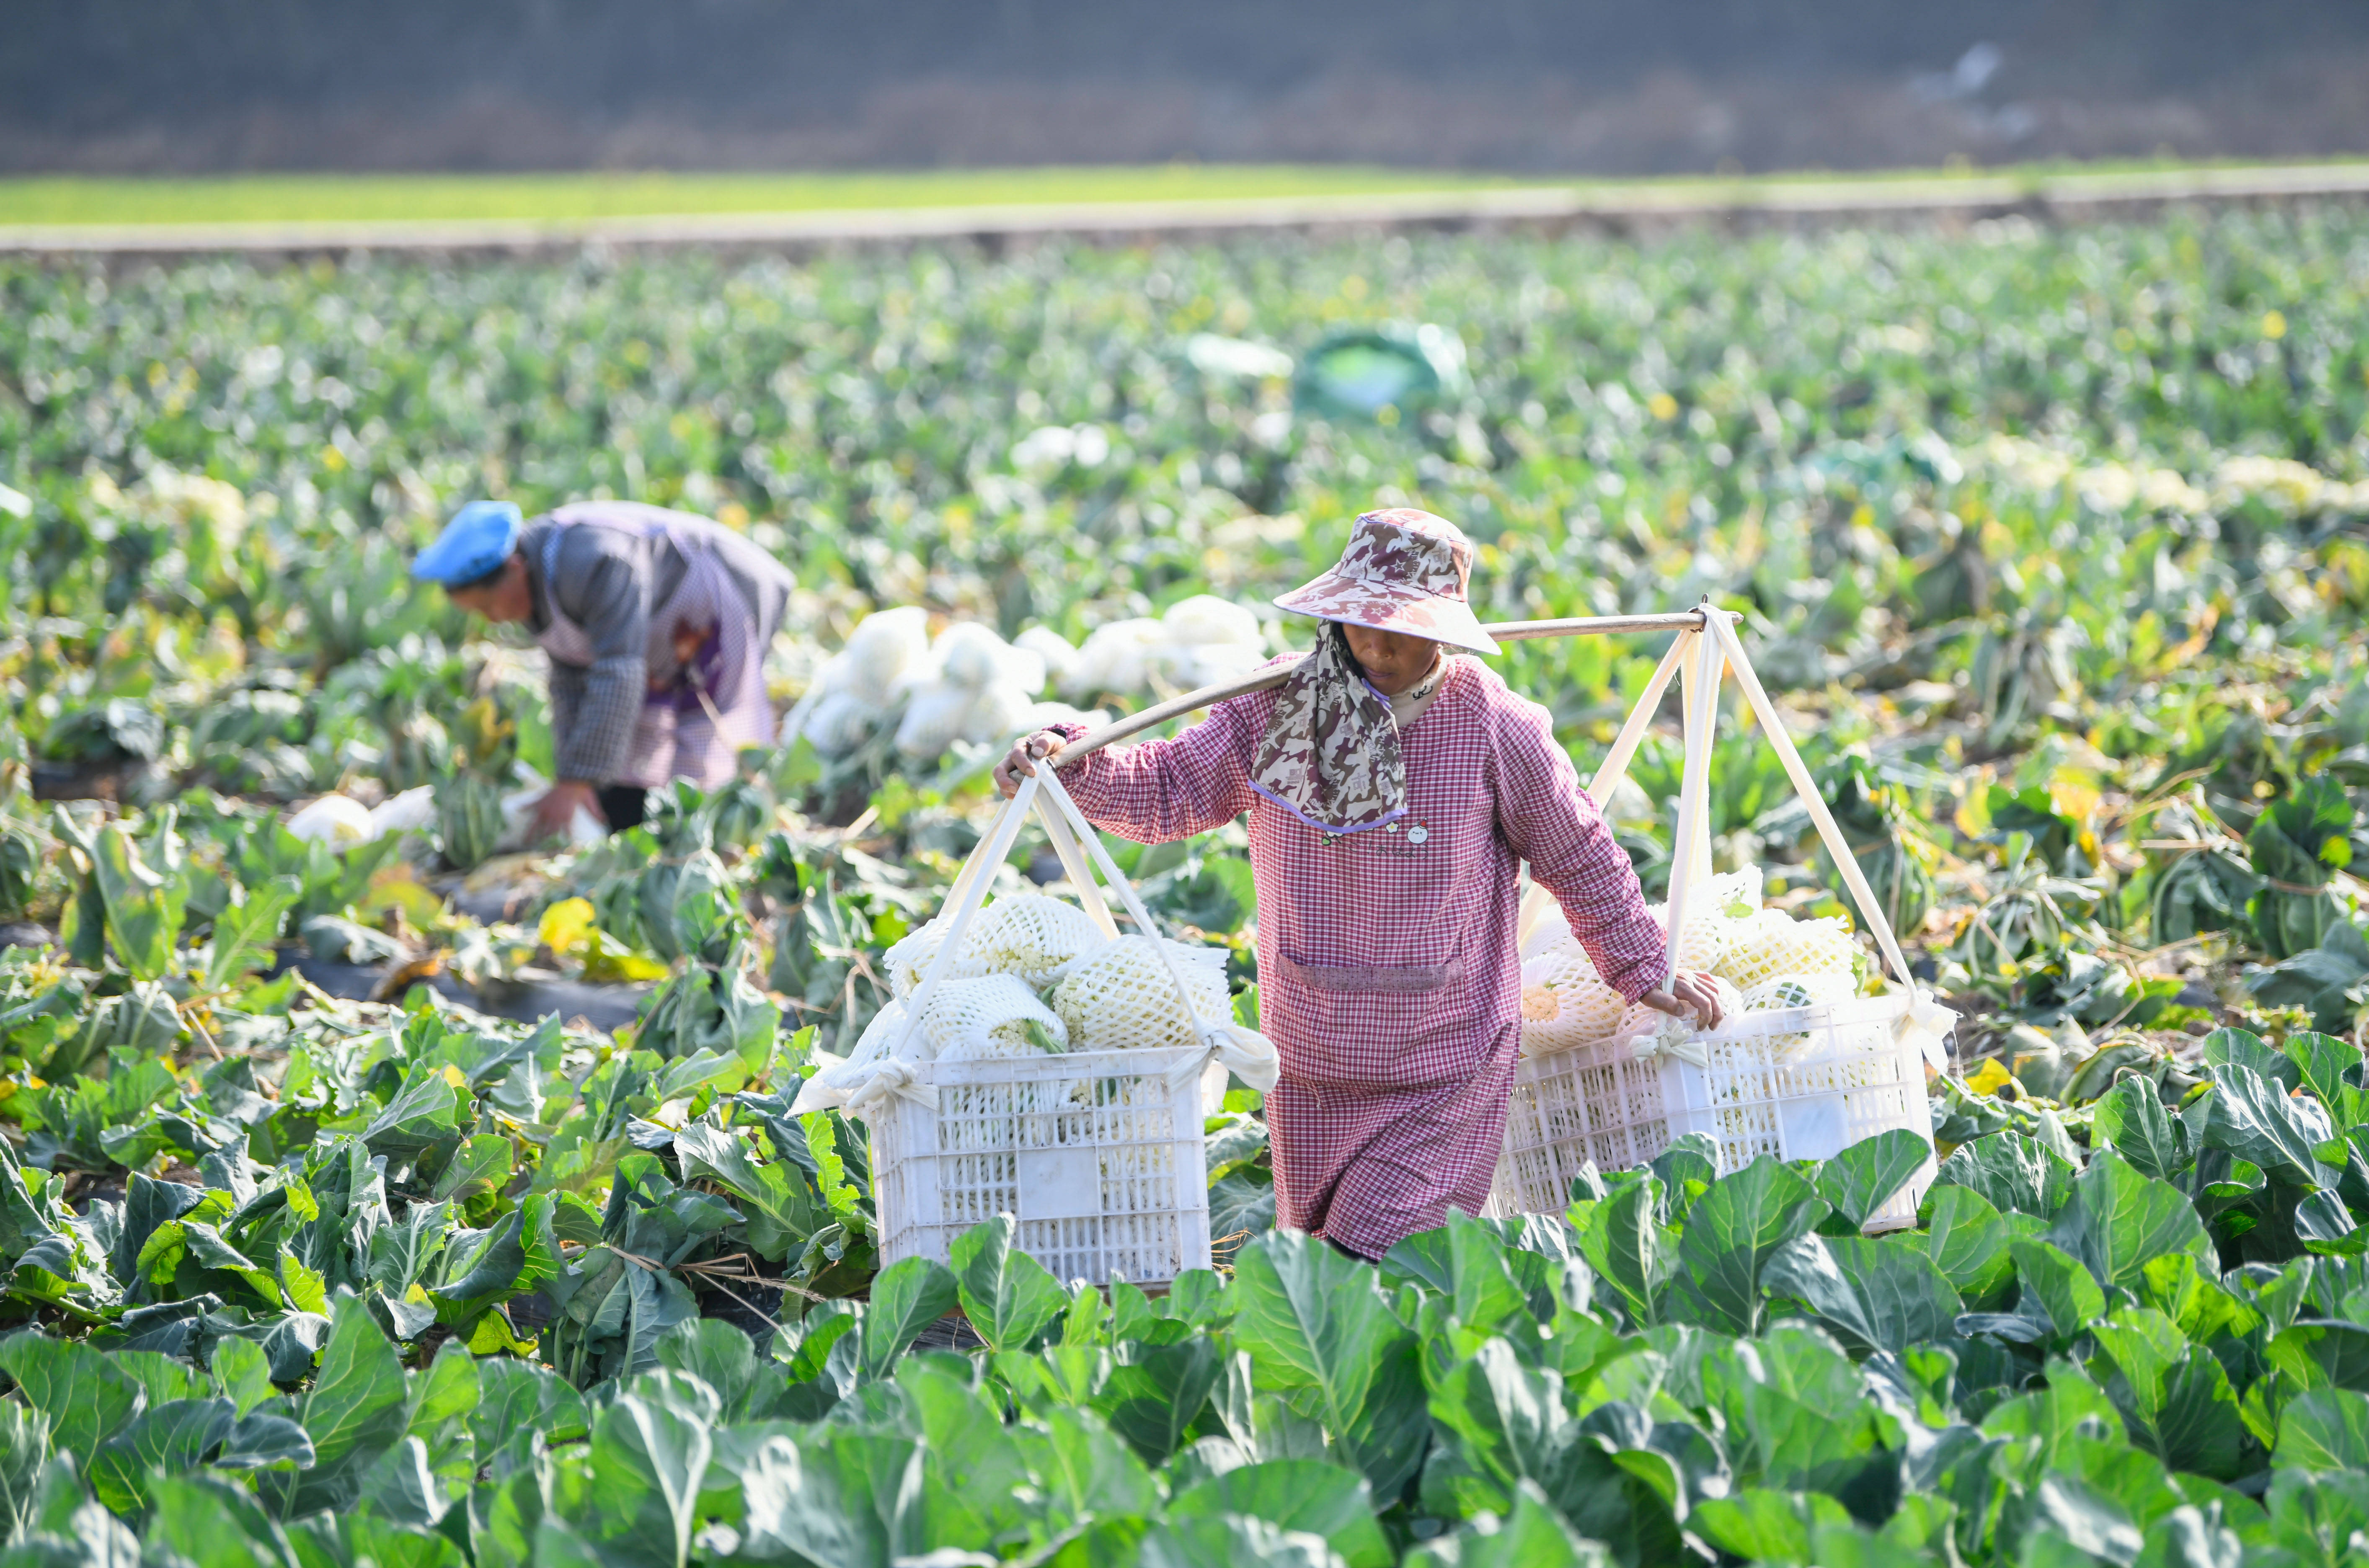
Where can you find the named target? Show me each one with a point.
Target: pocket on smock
(1358, 1026)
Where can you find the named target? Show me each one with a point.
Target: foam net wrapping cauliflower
(1033, 936)
(1566, 1004)
(1104, 993)
(909, 959)
(1799, 991)
(1026, 934)
(1121, 997)
(1760, 959)
(1714, 912)
(1769, 946)
(994, 1016)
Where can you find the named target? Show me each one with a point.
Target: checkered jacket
(1387, 958)
(616, 582)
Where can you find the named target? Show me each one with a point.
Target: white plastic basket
(1594, 1107)
(1795, 1083)
(1800, 1083)
(1097, 1155)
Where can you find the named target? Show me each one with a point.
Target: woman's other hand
(558, 807)
(1688, 993)
(1021, 761)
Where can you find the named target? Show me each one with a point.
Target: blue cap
(479, 538)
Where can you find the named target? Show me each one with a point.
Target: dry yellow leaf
(566, 926)
(1989, 1078)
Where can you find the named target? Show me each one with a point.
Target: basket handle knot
(866, 1076)
(1929, 1025)
(879, 1079)
(1247, 1054)
(1672, 1038)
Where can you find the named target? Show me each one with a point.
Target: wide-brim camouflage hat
(1403, 571)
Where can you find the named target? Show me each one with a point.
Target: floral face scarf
(1330, 756)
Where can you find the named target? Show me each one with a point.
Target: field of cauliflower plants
(376, 1187)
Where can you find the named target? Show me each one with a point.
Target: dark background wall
(1525, 84)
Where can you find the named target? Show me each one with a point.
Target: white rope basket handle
(964, 897)
(1694, 795)
(1615, 770)
(1248, 1054)
(1706, 652)
(1694, 789)
(1925, 1019)
(1538, 903)
(1134, 905)
(1073, 862)
(975, 865)
(1068, 827)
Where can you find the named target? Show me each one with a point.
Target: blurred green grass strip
(288, 197)
(565, 197)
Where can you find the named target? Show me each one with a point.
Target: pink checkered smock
(1388, 978)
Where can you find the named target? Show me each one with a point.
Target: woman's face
(508, 598)
(1393, 660)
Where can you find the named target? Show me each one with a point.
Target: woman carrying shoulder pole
(1395, 788)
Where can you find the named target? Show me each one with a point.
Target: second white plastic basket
(1799, 1084)
(1592, 1108)
(1098, 1155)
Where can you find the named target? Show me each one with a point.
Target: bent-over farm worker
(1394, 786)
(656, 624)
